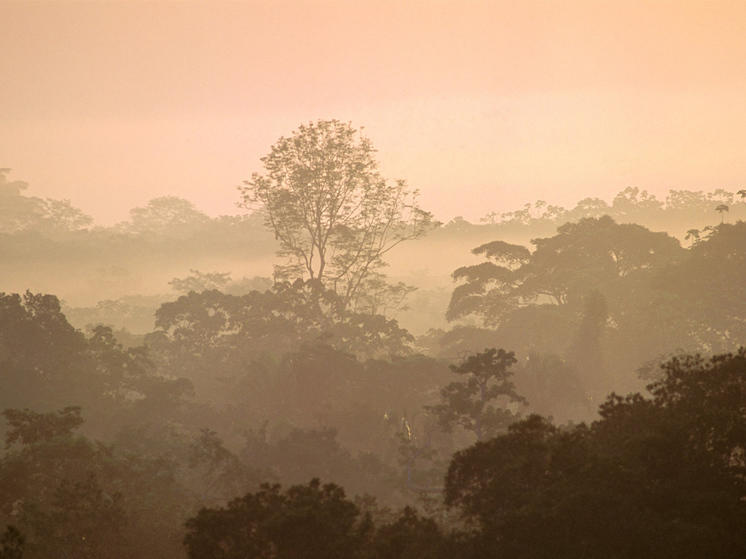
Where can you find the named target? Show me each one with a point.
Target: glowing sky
(481, 105)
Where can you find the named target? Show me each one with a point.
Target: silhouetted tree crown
(333, 214)
(312, 521)
(482, 401)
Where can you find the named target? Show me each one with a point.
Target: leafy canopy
(480, 402)
(660, 476)
(333, 214)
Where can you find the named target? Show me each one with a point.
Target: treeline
(633, 205)
(591, 309)
(222, 418)
(601, 298)
(227, 392)
(656, 474)
(659, 476)
(111, 447)
(51, 246)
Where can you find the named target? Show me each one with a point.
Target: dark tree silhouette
(12, 544)
(722, 209)
(653, 477)
(481, 402)
(312, 521)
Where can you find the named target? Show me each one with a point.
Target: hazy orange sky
(481, 105)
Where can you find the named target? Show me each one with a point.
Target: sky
(482, 106)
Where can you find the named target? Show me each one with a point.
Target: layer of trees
(296, 417)
(120, 274)
(600, 298)
(632, 205)
(656, 476)
(148, 451)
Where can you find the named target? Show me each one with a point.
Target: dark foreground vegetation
(296, 416)
(655, 476)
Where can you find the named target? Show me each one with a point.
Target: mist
(392, 280)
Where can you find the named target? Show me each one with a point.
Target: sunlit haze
(481, 105)
(222, 335)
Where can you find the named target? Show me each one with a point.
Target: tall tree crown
(331, 211)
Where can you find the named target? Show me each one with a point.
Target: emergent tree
(333, 214)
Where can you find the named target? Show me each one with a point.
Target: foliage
(303, 522)
(605, 297)
(75, 497)
(630, 205)
(39, 351)
(553, 388)
(480, 403)
(20, 213)
(276, 321)
(28, 427)
(166, 216)
(653, 477)
(222, 473)
(562, 269)
(722, 209)
(333, 214)
(411, 536)
(339, 394)
(707, 283)
(12, 543)
(47, 364)
(198, 281)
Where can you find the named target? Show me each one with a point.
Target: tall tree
(541, 301)
(584, 256)
(333, 214)
(586, 353)
(480, 402)
(722, 209)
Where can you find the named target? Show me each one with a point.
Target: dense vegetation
(316, 409)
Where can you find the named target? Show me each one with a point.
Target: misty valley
(331, 372)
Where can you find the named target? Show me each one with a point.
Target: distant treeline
(49, 245)
(189, 411)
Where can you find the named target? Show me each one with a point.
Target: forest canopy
(555, 383)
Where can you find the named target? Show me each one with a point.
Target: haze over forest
(373, 280)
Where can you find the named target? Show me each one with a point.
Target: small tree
(722, 209)
(333, 214)
(480, 402)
